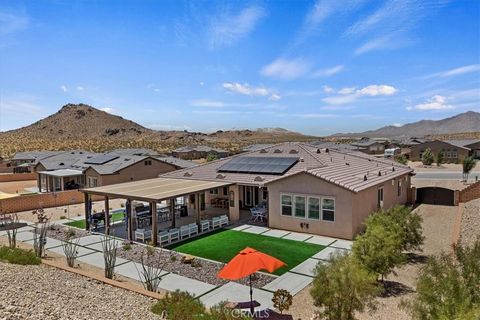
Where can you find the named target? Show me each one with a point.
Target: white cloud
(208, 103)
(459, 71)
(437, 102)
(373, 44)
(80, 88)
(348, 95)
(227, 29)
(10, 23)
(328, 89)
(328, 72)
(63, 88)
(285, 69)
(201, 83)
(248, 90)
(397, 124)
(109, 110)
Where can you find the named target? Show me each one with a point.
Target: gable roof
(347, 170)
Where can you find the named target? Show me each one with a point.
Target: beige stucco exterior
(452, 153)
(351, 208)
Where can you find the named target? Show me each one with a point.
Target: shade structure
(246, 263)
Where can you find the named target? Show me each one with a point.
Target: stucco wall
(438, 146)
(18, 177)
(305, 184)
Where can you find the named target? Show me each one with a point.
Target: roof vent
(259, 178)
(347, 163)
(327, 151)
(293, 151)
(379, 173)
(61, 164)
(365, 178)
(301, 160)
(221, 176)
(393, 169)
(126, 159)
(73, 152)
(188, 174)
(263, 151)
(277, 151)
(318, 151)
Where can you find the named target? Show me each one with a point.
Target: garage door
(435, 195)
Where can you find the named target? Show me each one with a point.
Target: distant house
(453, 151)
(23, 162)
(256, 147)
(474, 146)
(344, 147)
(199, 152)
(76, 169)
(370, 146)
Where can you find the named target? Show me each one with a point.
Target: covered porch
(165, 210)
(60, 180)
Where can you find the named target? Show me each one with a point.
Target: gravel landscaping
(64, 233)
(42, 292)
(201, 269)
(470, 228)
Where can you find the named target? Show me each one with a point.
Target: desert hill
(461, 125)
(79, 126)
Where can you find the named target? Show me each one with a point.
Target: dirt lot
(438, 222)
(17, 186)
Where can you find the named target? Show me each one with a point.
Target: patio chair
(223, 220)
(215, 222)
(193, 227)
(143, 235)
(184, 232)
(205, 225)
(163, 237)
(174, 234)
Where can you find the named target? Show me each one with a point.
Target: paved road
(444, 175)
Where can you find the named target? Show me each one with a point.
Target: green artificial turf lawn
(224, 245)
(118, 216)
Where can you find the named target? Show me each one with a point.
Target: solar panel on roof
(102, 159)
(266, 165)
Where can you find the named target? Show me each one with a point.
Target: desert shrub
(401, 159)
(282, 300)
(70, 248)
(150, 273)
(439, 158)
(179, 305)
(18, 256)
(12, 231)
(109, 246)
(211, 157)
(63, 217)
(127, 246)
(427, 157)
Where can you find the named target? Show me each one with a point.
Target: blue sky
(317, 67)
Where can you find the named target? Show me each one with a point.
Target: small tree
(379, 249)
(342, 287)
(70, 248)
(109, 246)
(151, 272)
(12, 231)
(40, 232)
(468, 165)
(439, 158)
(401, 159)
(427, 157)
(448, 286)
(211, 157)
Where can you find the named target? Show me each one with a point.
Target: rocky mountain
(79, 126)
(463, 124)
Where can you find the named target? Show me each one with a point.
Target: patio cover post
(197, 206)
(172, 211)
(128, 209)
(107, 216)
(87, 211)
(153, 210)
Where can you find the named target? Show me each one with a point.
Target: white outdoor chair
(174, 234)
(143, 235)
(205, 225)
(184, 232)
(193, 227)
(223, 220)
(215, 222)
(163, 237)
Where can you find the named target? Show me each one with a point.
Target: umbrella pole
(252, 310)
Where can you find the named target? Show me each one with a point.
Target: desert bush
(401, 159)
(439, 158)
(70, 248)
(18, 256)
(150, 273)
(126, 246)
(282, 300)
(109, 246)
(179, 305)
(12, 231)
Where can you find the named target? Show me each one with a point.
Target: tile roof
(461, 143)
(180, 163)
(199, 148)
(254, 147)
(347, 170)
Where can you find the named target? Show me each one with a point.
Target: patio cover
(62, 173)
(156, 189)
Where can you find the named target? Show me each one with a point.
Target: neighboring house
(344, 147)
(24, 162)
(256, 147)
(307, 189)
(370, 146)
(76, 169)
(473, 145)
(453, 151)
(198, 152)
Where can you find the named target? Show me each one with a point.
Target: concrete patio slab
(98, 245)
(25, 236)
(307, 267)
(51, 243)
(297, 236)
(172, 282)
(256, 230)
(132, 269)
(86, 240)
(235, 292)
(81, 251)
(323, 241)
(292, 282)
(276, 233)
(343, 244)
(326, 253)
(96, 259)
(242, 227)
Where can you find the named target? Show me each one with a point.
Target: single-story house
(23, 162)
(473, 145)
(453, 151)
(304, 188)
(78, 169)
(370, 146)
(256, 147)
(199, 152)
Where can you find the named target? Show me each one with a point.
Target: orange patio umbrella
(246, 263)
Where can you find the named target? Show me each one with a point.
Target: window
(300, 206)
(286, 205)
(213, 191)
(92, 182)
(328, 209)
(148, 162)
(399, 187)
(454, 154)
(225, 191)
(380, 198)
(313, 208)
